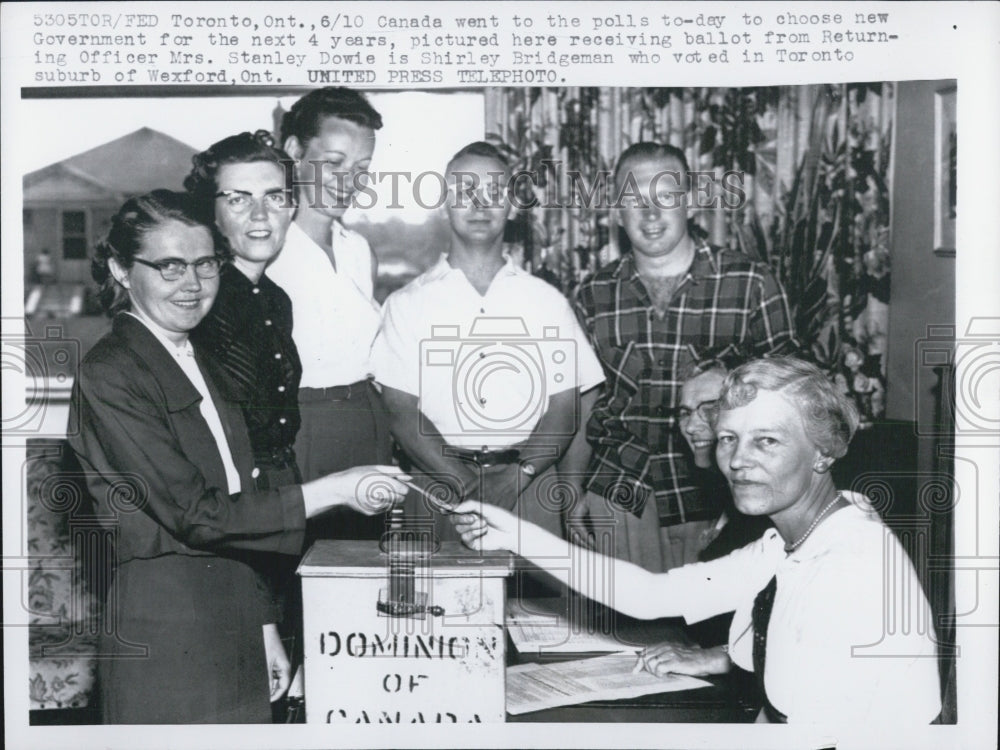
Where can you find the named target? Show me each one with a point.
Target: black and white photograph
(499, 375)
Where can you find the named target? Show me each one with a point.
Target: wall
(923, 283)
(922, 294)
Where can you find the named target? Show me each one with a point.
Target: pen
(439, 505)
(638, 663)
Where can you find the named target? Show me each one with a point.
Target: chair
(59, 593)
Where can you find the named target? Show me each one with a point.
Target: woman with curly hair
(827, 605)
(243, 184)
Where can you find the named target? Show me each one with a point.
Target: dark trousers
(342, 427)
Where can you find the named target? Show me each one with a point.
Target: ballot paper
(555, 626)
(533, 687)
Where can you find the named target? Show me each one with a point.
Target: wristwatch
(528, 469)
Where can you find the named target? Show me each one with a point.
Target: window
(74, 235)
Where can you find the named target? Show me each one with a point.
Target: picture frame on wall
(945, 172)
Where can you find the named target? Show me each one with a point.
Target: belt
(335, 392)
(486, 457)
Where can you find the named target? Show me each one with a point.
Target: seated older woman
(168, 461)
(810, 596)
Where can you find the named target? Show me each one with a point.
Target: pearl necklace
(789, 548)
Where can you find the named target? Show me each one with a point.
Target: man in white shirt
(328, 270)
(481, 363)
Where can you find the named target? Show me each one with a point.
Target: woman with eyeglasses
(699, 402)
(243, 185)
(189, 633)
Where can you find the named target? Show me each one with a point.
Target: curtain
(812, 162)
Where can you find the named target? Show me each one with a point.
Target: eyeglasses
(706, 410)
(173, 269)
(240, 201)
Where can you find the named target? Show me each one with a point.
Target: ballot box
(397, 636)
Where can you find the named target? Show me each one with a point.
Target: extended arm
(635, 592)
(575, 465)
(554, 431)
(123, 434)
(576, 459)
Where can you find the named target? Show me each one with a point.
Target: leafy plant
(830, 219)
(731, 131)
(824, 235)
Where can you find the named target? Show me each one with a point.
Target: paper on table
(541, 626)
(533, 687)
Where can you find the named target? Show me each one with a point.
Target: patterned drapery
(811, 161)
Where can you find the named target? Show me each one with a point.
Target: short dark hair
(137, 217)
(306, 116)
(696, 367)
(479, 148)
(722, 358)
(245, 148)
(652, 150)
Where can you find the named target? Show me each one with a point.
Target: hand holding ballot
(484, 526)
(366, 489)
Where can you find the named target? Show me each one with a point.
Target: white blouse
(850, 635)
(335, 317)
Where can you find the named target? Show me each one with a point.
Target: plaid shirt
(724, 300)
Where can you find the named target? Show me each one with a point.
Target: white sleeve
(707, 589)
(396, 351)
(588, 371)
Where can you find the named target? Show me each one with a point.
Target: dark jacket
(153, 466)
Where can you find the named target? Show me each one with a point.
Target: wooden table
(730, 699)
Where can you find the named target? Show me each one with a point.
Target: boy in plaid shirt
(650, 314)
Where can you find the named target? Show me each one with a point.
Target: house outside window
(74, 235)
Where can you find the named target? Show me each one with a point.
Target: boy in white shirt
(481, 363)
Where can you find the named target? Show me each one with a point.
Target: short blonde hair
(829, 417)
